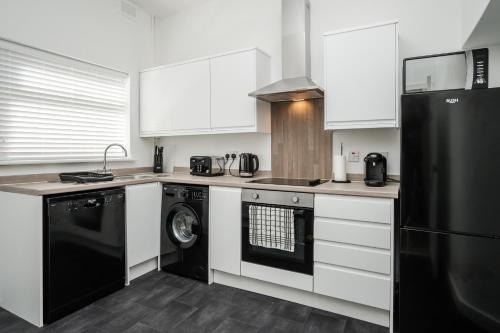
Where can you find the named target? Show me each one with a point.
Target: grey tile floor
(160, 302)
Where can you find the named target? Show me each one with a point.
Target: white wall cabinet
(205, 96)
(233, 76)
(175, 99)
(143, 220)
(361, 77)
(225, 229)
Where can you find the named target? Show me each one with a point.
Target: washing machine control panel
(197, 195)
(185, 193)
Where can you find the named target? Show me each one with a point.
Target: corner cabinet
(361, 77)
(205, 96)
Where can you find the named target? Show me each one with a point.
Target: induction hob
(290, 181)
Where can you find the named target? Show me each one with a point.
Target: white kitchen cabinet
(361, 77)
(353, 285)
(153, 104)
(225, 229)
(353, 252)
(21, 256)
(353, 232)
(143, 220)
(175, 99)
(205, 96)
(233, 76)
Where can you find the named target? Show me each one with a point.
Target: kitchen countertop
(356, 188)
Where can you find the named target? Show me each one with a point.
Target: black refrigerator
(449, 236)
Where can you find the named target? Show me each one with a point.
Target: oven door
(268, 241)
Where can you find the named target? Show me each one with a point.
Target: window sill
(98, 160)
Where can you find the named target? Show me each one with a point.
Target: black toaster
(207, 166)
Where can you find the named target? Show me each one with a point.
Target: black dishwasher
(84, 250)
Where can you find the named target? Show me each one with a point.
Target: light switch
(353, 156)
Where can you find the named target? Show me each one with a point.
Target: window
(58, 109)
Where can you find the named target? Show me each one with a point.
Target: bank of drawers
(352, 249)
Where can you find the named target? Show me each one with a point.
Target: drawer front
(277, 276)
(372, 260)
(358, 287)
(353, 208)
(351, 232)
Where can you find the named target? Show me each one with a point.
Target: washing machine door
(183, 226)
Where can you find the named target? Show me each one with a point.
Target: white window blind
(58, 109)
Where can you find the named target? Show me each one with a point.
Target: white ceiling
(166, 7)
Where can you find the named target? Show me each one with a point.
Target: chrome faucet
(105, 169)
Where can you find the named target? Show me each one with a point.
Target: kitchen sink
(85, 177)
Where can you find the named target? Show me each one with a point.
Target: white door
(360, 78)
(143, 216)
(188, 95)
(233, 76)
(225, 229)
(154, 117)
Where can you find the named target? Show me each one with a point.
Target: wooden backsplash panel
(301, 148)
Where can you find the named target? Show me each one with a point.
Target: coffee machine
(375, 170)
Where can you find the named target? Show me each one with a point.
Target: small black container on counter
(158, 160)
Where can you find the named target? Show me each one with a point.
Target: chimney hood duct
(296, 84)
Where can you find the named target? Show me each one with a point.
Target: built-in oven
(277, 229)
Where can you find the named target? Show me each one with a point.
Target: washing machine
(184, 231)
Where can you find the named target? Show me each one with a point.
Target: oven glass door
(268, 241)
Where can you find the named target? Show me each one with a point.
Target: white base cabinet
(21, 256)
(277, 276)
(353, 251)
(361, 77)
(143, 220)
(225, 229)
(206, 96)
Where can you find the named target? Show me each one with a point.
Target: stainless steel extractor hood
(296, 84)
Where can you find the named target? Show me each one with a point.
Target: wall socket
(230, 152)
(353, 156)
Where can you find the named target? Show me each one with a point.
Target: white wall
(426, 27)
(91, 30)
(472, 11)
(181, 148)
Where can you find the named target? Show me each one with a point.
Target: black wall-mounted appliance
(249, 165)
(375, 169)
(450, 232)
(207, 166)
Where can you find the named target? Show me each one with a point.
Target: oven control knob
(295, 199)
(255, 196)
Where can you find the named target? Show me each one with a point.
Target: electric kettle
(249, 165)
